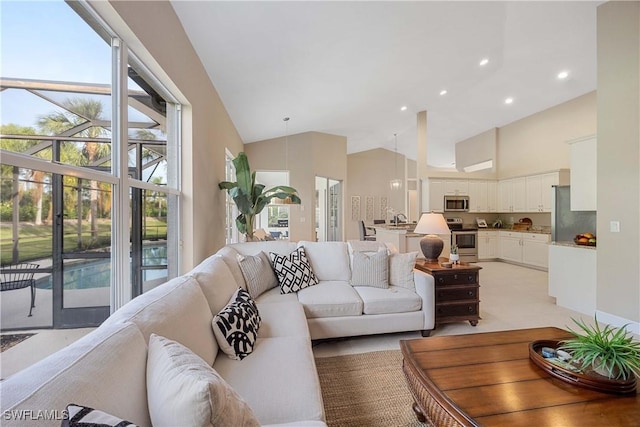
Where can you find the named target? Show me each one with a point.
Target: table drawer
(456, 293)
(462, 309)
(456, 279)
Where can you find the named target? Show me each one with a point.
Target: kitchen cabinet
(538, 190)
(435, 197)
(511, 195)
(583, 174)
(492, 196)
(456, 187)
(531, 249)
(487, 244)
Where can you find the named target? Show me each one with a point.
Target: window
(90, 189)
(231, 230)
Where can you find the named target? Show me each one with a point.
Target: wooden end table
(457, 291)
(488, 379)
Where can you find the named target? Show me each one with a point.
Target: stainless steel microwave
(456, 203)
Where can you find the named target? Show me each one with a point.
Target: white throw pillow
(258, 273)
(401, 269)
(370, 269)
(236, 325)
(183, 390)
(294, 271)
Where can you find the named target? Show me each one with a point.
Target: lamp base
(431, 246)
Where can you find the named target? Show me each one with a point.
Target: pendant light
(396, 183)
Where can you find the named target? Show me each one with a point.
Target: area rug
(9, 340)
(366, 389)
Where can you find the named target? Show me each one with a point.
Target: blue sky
(46, 40)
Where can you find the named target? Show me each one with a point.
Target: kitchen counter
(405, 240)
(572, 244)
(543, 230)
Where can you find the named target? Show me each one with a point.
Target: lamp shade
(432, 223)
(431, 245)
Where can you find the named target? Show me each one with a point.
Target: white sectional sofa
(106, 369)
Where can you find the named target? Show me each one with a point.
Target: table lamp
(432, 224)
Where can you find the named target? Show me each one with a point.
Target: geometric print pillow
(236, 326)
(294, 271)
(84, 416)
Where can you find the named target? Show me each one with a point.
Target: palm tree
(79, 111)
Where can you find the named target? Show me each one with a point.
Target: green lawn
(35, 240)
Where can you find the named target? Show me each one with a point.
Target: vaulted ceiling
(347, 68)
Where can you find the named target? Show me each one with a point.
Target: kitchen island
(572, 276)
(405, 240)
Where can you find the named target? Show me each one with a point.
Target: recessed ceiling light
(484, 62)
(403, 108)
(443, 92)
(508, 100)
(563, 75)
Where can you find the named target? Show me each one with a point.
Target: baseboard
(617, 321)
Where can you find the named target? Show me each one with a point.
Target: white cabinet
(510, 246)
(456, 187)
(492, 196)
(487, 245)
(538, 190)
(526, 248)
(572, 277)
(478, 192)
(583, 174)
(535, 249)
(435, 198)
(511, 195)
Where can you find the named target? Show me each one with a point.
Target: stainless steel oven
(467, 242)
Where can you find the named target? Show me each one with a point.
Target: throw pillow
(294, 271)
(236, 325)
(257, 273)
(401, 269)
(370, 269)
(83, 416)
(183, 390)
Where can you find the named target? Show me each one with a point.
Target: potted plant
(607, 351)
(251, 198)
(453, 255)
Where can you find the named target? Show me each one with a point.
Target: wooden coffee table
(487, 379)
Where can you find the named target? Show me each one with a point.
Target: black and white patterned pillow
(83, 416)
(294, 271)
(236, 326)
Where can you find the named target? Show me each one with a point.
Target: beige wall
(537, 143)
(618, 286)
(154, 33)
(479, 148)
(310, 154)
(369, 173)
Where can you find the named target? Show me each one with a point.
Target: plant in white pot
(607, 351)
(453, 255)
(252, 198)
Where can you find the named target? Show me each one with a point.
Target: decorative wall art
(355, 208)
(383, 207)
(368, 206)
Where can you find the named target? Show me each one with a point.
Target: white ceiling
(346, 68)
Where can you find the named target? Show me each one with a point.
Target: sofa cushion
(230, 257)
(275, 296)
(330, 299)
(401, 269)
(395, 299)
(283, 319)
(236, 325)
(294, 271)
(84, 416)
(258, 273)
(216, 280)
(184, 390)
(370, 269)
(329, 260)
(279, 381)
(177, 310)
